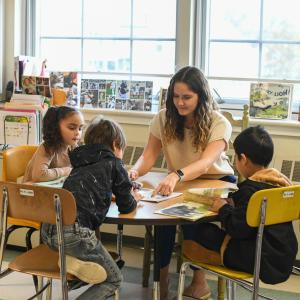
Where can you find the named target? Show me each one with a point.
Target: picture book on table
(206, 195)
(192, 211)
(196, 203)
(270, 100)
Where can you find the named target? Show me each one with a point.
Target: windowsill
(275, 127)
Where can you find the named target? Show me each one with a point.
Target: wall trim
(287, 128)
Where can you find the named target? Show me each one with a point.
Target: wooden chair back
(15, 161)
(36, 203)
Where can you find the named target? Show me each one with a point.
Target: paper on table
(146, 193)
(56, 183)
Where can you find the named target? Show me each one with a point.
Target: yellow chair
(38, 204)
(15, 161)
(266, 207)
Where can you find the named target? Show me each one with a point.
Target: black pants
(166, 235)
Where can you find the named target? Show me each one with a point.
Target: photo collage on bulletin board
(36, 85)
(66, 81)
(116, 94)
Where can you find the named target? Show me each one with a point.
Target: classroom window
(250, 40)
(111, 39)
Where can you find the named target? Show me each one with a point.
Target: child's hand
(137, 196)
(133, 174)
(66, 171)
(136, 185)
(217, 203)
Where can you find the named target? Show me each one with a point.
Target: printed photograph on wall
(123, 89)
(35, 85)
(270, 100)
(67, 81)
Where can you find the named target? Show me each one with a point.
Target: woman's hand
(166, 187)
(133, 174)
(217, 203)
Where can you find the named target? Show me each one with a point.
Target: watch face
(180, 173)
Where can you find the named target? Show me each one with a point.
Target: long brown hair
(174, 127)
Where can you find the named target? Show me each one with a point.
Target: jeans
(82, 243)
(166, 234)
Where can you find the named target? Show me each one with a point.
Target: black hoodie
(96, 174)
(279, 245)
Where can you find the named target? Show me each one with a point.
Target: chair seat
(39, 261)
(22, 222)
(224, 271)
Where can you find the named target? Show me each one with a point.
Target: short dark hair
(105, 131)
(52, 137)
(256, 144)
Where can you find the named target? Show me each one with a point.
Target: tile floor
(18, 286)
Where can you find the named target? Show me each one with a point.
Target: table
(144, 214)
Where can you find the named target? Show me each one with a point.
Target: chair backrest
(283, 205)
(15, 161)
(36, 203)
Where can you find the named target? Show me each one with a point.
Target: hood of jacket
(89, 154)
(271, 176)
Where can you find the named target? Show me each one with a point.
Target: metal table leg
(156, 266)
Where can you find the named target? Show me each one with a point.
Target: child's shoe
(86, 271)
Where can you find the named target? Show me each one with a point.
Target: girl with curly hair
(62, 129)
(193, 136)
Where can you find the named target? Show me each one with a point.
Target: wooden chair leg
(221, 288)
(147, 255)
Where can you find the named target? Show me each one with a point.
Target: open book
(186, 210)
(206, 195)
(147, 195)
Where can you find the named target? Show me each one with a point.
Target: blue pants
(166, 234)
(82, 243)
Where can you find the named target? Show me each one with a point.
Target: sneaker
(86, 271)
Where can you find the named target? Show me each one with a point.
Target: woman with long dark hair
(193, 136)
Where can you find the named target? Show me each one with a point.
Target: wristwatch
(180, 174)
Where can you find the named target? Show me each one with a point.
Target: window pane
(149, 15)
(281, 20)
(153, 57)
(281, 61)
(62, 55)
(233, 59)
(107, 18)
(224, 91)
(106, 56)
(234, 19)
(60, 18)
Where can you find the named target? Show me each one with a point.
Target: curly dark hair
(52, 137)
(174, 127)
(105, 131)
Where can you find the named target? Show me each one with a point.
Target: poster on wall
(67, 81)
(270, 100)
(116, 94)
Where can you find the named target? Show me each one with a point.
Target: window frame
(201, 56)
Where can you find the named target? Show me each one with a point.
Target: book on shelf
(196, 203)
(27, 99)
(270, 100)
